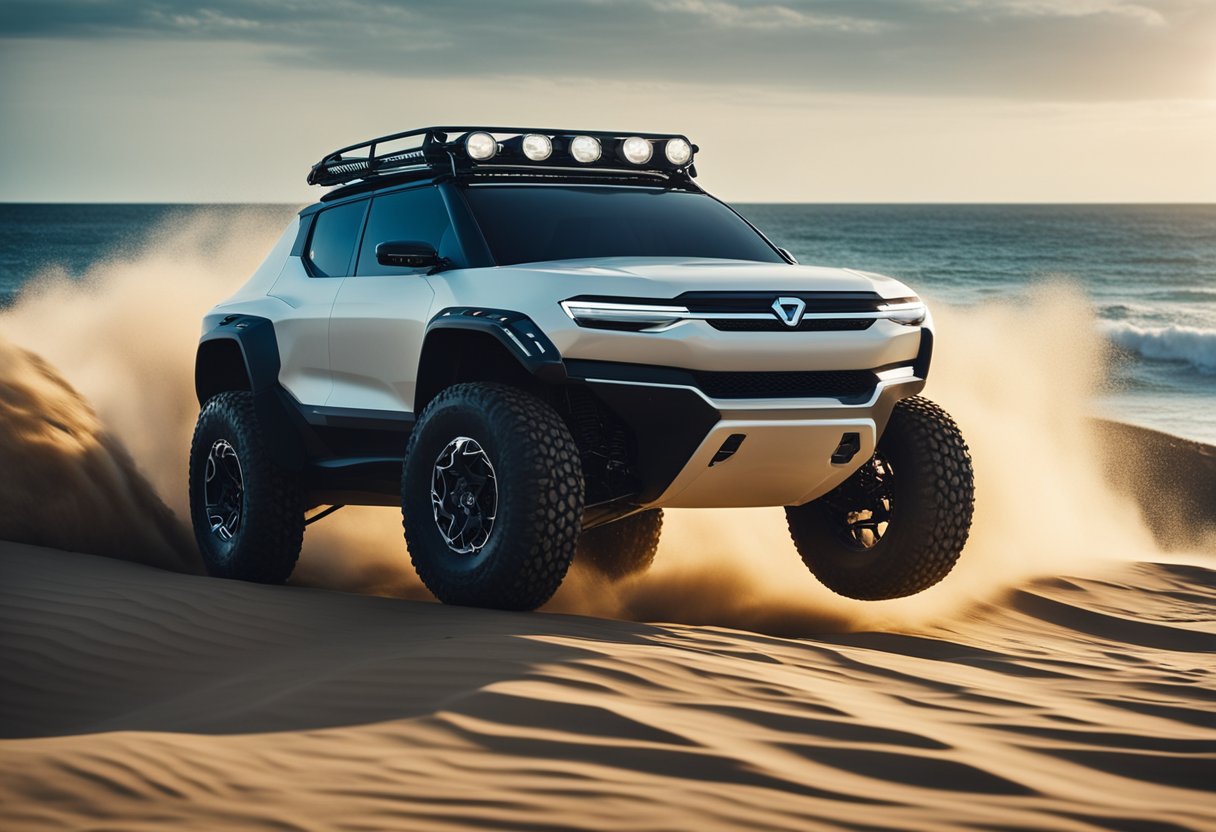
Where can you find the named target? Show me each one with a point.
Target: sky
(797, 101)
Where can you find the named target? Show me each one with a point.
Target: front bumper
(694, 450)
(786, 453)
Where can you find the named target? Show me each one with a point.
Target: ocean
(1149, 271)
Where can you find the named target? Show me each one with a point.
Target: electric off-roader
(533, 341)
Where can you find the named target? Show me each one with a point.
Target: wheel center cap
(464, 495)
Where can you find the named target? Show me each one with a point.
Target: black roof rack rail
(503, 175)
(442, 150)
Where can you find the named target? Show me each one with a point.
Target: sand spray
(96, 395)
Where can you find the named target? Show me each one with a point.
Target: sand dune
(134, 698)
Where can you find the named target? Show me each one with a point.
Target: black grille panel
(763, 301)
(846, 385)
(807, 325)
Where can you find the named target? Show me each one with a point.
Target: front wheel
(897, 525)
(492, 497)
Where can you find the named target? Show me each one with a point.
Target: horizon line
(732, 201)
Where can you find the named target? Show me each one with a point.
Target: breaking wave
(1192, 345)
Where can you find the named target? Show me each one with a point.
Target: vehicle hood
(667, 277)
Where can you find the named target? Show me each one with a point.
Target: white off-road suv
(533, 341)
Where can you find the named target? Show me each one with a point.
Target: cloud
(1141, 12)
(765, 16)
(212, 21)
(1019, 49)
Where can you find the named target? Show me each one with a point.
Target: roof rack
(503, 149)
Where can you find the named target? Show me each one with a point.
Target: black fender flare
(925, 355)
(258, 347)
(520, 337)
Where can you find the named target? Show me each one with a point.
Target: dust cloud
(1019, 378)
(68, 483)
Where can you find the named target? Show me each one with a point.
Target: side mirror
(407, 254)
(785, 253)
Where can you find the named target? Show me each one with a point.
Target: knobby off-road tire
(262, 514)
(932, 496)
(536, 516)
(623, 547)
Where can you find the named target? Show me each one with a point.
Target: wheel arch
(242, 353)
(474, 344)
(219, 366)
(239, 353)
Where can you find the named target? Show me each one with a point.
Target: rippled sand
(134, 698)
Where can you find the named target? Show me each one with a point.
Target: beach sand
(137, 698)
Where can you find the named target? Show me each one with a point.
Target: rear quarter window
(335, 232)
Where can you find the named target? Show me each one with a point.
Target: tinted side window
(417, 215)
(334, 234)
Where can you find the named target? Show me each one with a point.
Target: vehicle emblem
(789, 310)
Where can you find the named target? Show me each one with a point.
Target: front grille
(752, 301)
(807, 325)
(846, 385)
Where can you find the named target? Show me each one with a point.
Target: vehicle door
(380, 316)
(309, 285)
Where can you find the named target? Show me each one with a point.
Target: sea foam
(1192, 345)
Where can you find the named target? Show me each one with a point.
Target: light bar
(455, 150)
(677, 151)
(480, 146)
(630, 317)
(537, 146)
(658, 316)
(637, 150)
(586, 149)
(910, 313)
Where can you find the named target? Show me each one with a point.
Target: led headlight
(585, 149)
(629, 317)
(908, 313)
(536, 147)
(637, 150)
(678, 151)
(480, 146)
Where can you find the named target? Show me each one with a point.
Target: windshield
(532, 224)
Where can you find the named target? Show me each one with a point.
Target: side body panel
(303, 331)
(375, 340)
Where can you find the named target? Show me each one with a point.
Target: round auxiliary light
(480, 146)
(538, 148)
(637, 150)
(585, 149)
(678, 151)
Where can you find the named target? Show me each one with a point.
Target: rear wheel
(247, 513)
(623, 547)
(492, 497)
(898, 524)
